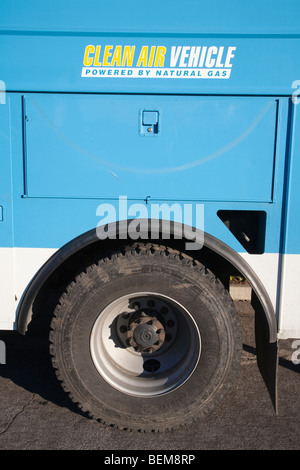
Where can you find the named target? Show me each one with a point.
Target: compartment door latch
(149, 123)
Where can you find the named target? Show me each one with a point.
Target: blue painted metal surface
(291, 221)
(6, 225)
(48, 45)
(71, 140)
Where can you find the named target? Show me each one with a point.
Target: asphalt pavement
(36, 414)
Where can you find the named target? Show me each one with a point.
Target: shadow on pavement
(28, 365)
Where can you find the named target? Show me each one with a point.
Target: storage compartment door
(165, 147)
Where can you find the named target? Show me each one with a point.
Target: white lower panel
(18, 267)
(284, 291)
(265, 267)
(289, 320)
(7, 291)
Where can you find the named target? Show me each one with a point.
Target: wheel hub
(145, 332)
(145, 344)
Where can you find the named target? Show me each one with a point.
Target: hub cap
(145, 333)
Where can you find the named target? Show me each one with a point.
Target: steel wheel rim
(132, 325)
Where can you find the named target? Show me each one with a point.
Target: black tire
(195, 357)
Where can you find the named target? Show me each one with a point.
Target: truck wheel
(146, 339)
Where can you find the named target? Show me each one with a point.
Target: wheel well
(45, 289)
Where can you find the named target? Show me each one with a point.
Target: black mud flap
(266, 351)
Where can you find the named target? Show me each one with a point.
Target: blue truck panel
(242, 54)
(292, 223)
(59, 179)
(6, 175)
